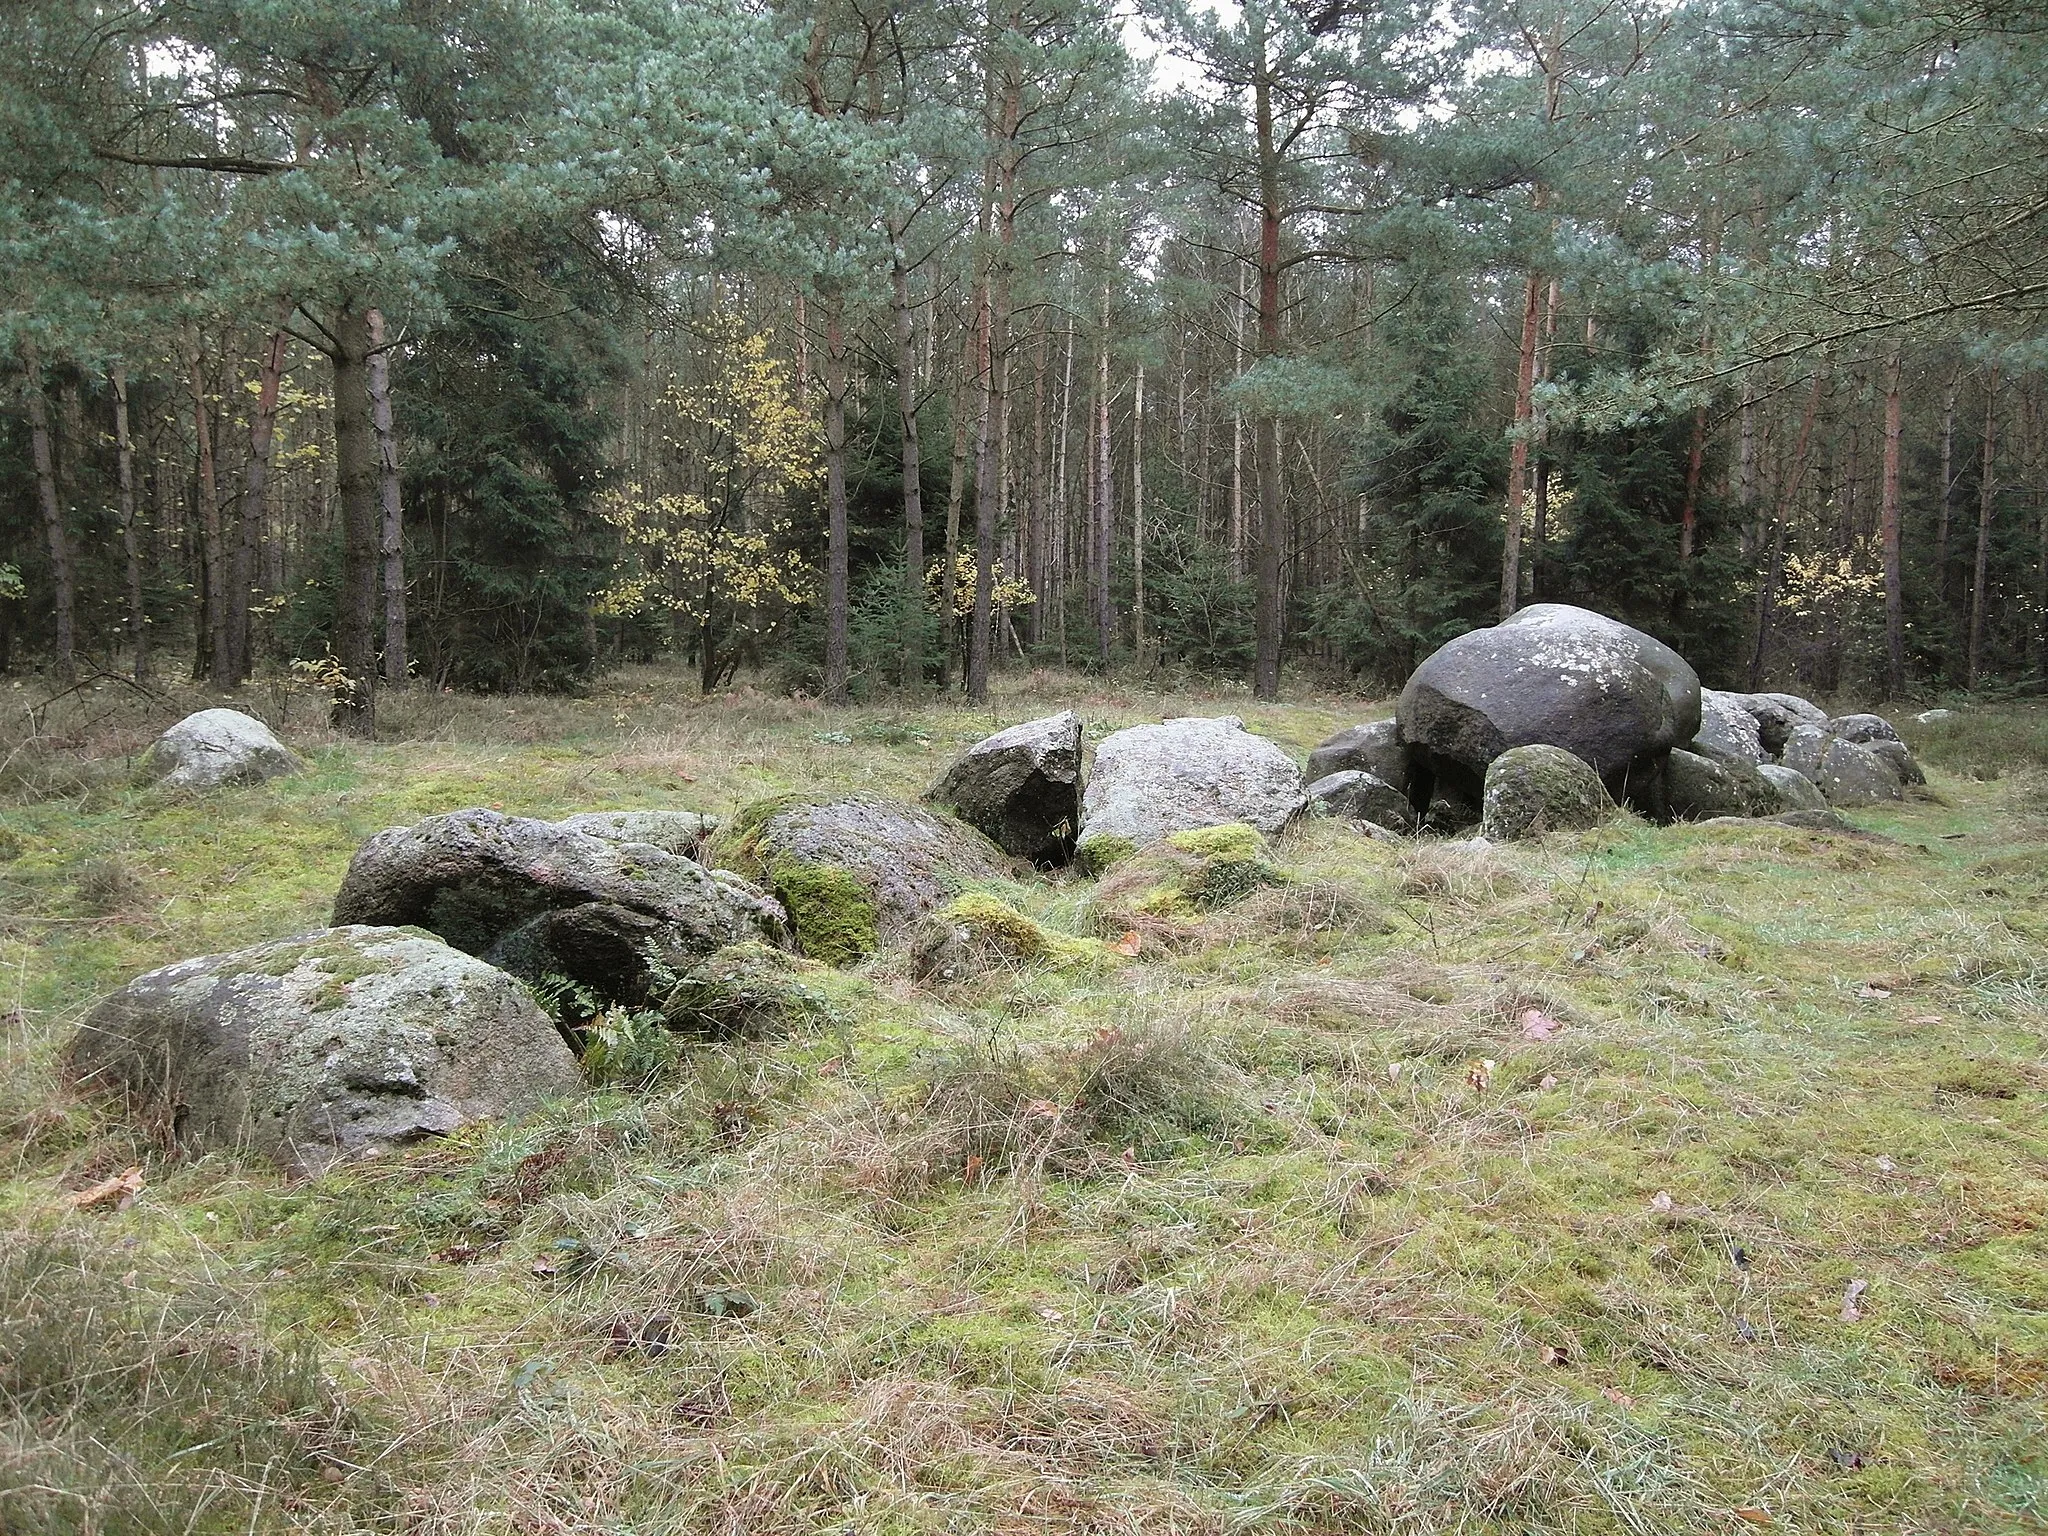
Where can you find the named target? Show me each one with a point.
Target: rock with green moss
(1700, 788)
(1536, 789)
(1356, 795)
(858, 872)
(678, 832)
(544, 899)
(1183, 876)
(1021, 787)
(978, 932)
(1152, 780)
(751, 991)
(323, 1046)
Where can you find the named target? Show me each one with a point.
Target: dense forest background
(877, 344)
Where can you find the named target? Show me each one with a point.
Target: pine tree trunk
(1270, 618)
(255, 498)
(1105, 615)
(355, 468)
(213, 577)
(1987, 497)
(1943, 586)
(1888, 532)
(913, 469)
(131, 546)
(391, 515)
(1139, 641)
(1518, 450)
(1039, 558)
(835, 506)
(1237, 529)
(1689, 512)
(956, 489)
(63, 594)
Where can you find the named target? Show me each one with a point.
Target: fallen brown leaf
(1538, 1025)
(1753, 1515)
(119, 1191)
(1130, 943)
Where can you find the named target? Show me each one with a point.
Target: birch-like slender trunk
(1138, 517)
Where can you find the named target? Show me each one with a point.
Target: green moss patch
(831, 911)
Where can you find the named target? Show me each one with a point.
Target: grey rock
(1728, 728)
(861, 871)
(1360, 796)
(1847, 773)
(1375, 748)
(1814, 820)
(1934, 716)
(1021, 788)
(678, 832)
(1551, 675)
(1151, 780)
(1703, 787)
(1793, 789)
(1901, 758)
(1539, 788)
(330, 1044)
(545, 899)
(1863, 729)
(1777, 714)
(216, 747)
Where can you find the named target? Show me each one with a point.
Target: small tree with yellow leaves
(710, 549)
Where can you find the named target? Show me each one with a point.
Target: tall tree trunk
(913, 470)
(255, 499)
(1105, 614)
(1063, 515)
(1774, 558)
(1269, 628)
(1039, 557)
(212, 559)
(131, 546)
(355, 473)
(1138, 517)
(835, 504)
(1943, 586)
(64, 601)
(1237, 528)
(1518, 449)
(956, 489)
(991, 469)
(1987, 499)
(391, 516)
(1888, 532)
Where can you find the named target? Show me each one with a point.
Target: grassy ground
(1285, 1225)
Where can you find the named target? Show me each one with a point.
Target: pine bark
(131, 547)
(1270, 620)
(355, 461)
(1138, 517)
(63, 591)
(213, 579)
(391, 515)
(1987, 500)
(1888, 533)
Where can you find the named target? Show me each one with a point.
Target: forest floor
(1648, 1180)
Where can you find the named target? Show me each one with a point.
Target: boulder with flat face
(1021, 788)
(1703, 787)
(1356, 795)
(1540, 788)
(1777, 714)
(1552, 675)
(1728, 729)
(1181, 775)
(216, 747)
(1793, 790)
(1863, 729)
(1847, 773)
(330, 1044)
(1375, 748)
(546, 899)
(857, 872)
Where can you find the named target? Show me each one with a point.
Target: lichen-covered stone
(750, 990)
(1375, 748)
(325, 1045)
(1021, 788)
(679, 832)
(1357, 795)
(1901, 758)
(1153, 780)
(1727, 728)
(1777, 715)
(1551, 675)
(1702, 787)
(1863, 729)
(1793, 790)
(1849, 774)
(216, 747)
(543, 899)
(1539, 788)
(859, 872)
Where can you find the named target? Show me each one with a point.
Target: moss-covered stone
(833, 916)
(1097, 854)
(752, 990)
(1536, 789)
(978, 931)
(1233, 842)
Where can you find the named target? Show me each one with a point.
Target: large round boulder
(1356, 795)
(1539, 788)
(1375, 748)
(1863, 729)
(545, 899)
(1702, 787)
(326, 1045)
(1847, 773)
(1181, 775)
(1021, 788)
(1793, 790)
(1727, 728)
(1777, 715)
(858, 872)
(1551, 675)
(216, 747)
